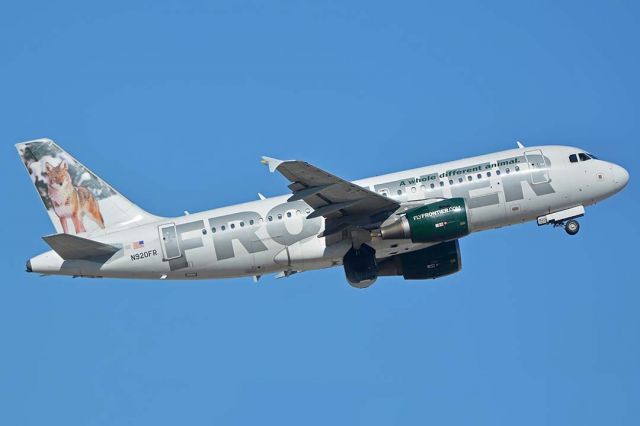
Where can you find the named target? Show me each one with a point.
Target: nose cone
(620, 176)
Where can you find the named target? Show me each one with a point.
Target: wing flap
(304, 192)
(332, 208)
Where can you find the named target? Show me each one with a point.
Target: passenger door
(539, 170)
(169, 241)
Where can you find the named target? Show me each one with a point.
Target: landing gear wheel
(572, 227)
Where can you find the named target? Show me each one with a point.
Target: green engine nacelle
(440, 221)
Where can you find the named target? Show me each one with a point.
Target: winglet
(519, 144)
(273, 163)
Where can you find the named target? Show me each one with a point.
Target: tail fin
(77, 201)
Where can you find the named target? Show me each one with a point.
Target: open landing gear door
(169, 241)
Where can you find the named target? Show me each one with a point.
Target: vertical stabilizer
(77, 201)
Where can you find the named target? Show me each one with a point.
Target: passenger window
(460, 180)
(413, 189)
(479, 175)
(251, 222)
(233, 225)
(508, 170)
(441, 183)
(222, 228)
(288, 214)
(488, 174)
(497, 172)
(279, 216)
(213, 229)
(399, 191)
(583, 157)
(517, 168)
(450, 181)
(573, 158)
(241, 224)
(270, 218)
(432, 186)
(469, 178)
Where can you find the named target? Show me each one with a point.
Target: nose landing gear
(572, 227)
(565, 218)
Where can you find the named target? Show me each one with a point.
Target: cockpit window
(581, 156)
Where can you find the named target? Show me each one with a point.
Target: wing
(343, 204)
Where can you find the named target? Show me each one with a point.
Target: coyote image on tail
(70, 201)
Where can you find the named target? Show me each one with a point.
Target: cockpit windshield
(581, 156)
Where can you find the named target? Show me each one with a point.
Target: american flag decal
(137, 244)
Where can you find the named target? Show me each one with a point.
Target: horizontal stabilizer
(70, 247)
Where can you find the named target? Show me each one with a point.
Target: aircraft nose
(621, 176)
(29, 269)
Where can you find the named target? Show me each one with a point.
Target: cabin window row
(252, 222)
(453, 182)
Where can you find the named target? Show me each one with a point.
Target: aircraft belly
(311, 253)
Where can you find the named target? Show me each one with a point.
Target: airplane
(405, 224)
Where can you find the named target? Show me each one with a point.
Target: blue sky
(174, 102)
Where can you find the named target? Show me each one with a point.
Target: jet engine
(431, 262)
(360, 266)
(440, 221)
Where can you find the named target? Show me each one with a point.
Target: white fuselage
(273, 235)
